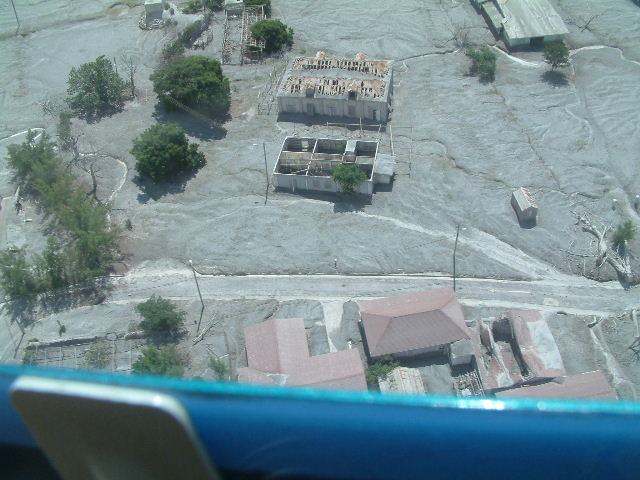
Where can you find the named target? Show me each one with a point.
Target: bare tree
(131, 60)
(604, 253)
(584, 23)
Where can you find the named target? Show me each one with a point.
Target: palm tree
(625, 232)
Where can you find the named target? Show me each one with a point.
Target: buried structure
(307, 164)
(524, 22)
(337, 87)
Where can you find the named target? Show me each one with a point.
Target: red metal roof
(413, 321)
(591, 385)
(277, 353)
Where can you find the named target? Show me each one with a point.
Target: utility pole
(266, 173)
(15, 12)
(195, 277)
(455, 247)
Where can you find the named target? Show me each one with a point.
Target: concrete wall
(334, 107)
(435, 350)
(314, 183)
(520, 42)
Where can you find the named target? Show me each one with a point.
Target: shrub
(160, 315)
(160, 361)
(172, 50)
(196, 82)
(163, 152)
(276, 35)
(379, 369)
(98, 355)
(624, 233)
(348, 176)
(219, 368)
(483, 63)
(556, 54)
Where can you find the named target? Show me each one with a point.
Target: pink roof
(413, 321)
(590, 386)
(536, 343)
(277, 353)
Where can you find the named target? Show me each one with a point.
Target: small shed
(153, 8)
(525, 205)
(234, 6)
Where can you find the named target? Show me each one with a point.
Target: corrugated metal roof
(279, 346)
(589, 386)
(411, 322)
(530, 19)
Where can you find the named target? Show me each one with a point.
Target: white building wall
(312, 183)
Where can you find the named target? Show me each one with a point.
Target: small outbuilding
(524, 22)
(525, 206)
(152, 10)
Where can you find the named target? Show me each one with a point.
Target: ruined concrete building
(337, 87)
(307, 163)
(524, 22)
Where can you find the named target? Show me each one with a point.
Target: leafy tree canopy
(163, 152)
(95, 89)
(483, 63)
(16, 276)
(276, 35)
(160, 314)
(196, 82)
(160, 361)
(556, 54)
(348, 176)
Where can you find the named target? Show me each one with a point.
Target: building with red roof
(278, 354)
(413, 324)
(586, 386)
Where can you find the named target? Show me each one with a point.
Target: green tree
(379, 369)
(163, 152)
(160, 315)
(196, 82)
(95, 89)
(92, 242)
(483, 63)
(623, 234)
(98, 355)
(348, 176)
(160, 361)
(53, 264)
(556, 54)
(265, 3)
(65, 136)
(276, 35)
(17, 278)
(219, 368)
(34, 158)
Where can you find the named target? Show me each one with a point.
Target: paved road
(572, 295)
